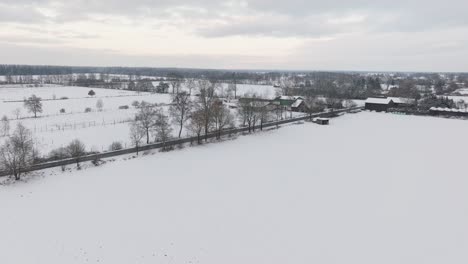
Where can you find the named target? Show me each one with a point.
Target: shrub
(63, 98)
(60, 153)
(62, 111)
(88, 109)
(91, 93)
(136, 104)
(115, 146)
(123, 107)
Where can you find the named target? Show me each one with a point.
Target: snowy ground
(462, 91)
(370, 188)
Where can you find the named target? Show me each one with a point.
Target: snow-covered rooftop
(286, 97)
(372, 100)
(401, 100)
(297, 103)
(446, 109)
(396, 100)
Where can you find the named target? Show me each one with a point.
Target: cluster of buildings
(385, 104)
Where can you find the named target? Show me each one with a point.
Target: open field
(369, 188)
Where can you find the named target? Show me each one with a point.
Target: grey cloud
(28, 40)
(23, 54)
(20, 14)
(226, 17)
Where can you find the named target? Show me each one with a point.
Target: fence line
(171, 143)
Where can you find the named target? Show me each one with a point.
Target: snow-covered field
(370, 188)
(96, 129)
(77, 102)
(19, 92)
(264, 91)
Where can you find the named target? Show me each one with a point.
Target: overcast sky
(385, 35)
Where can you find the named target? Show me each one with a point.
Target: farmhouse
(299, 106)
(383, 104)
(379, 104)
(286, 100)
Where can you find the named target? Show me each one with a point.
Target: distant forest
(12, 70)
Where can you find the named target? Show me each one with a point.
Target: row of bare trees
(202, 115)
(17, 153)
(206, 113)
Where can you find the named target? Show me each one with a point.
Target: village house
(286, 101)
(299, 106)
(379, 104)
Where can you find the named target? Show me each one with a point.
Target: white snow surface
(370, 188)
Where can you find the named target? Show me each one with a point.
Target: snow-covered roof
(286, 97)
(297, 103)
(372, 100)
(446, 109)
(401, 100)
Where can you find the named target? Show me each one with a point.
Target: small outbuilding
(322, 121)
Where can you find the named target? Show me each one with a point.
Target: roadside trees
(17, 153)
(221, 118)
(76, 149)
(4, 126)
(145, 118)
(180, 109)
(136, 134)
(162, 128)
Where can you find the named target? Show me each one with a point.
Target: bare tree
(264, 114)
(196, 124)
(59, 154)
(17, 153)
(175, 80)
(99, 105)
(33, 104)
(180, 109)
(162, 127)
(460, 104)
(221, 118)
(286, 86)
(232, 89)
(136, 134)
(4, 126)
(191, 85)
(145, 118)
(334, 103)
(17, 113)
(76, 149)
(247, 112)
(205, 102)
(314, 105)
